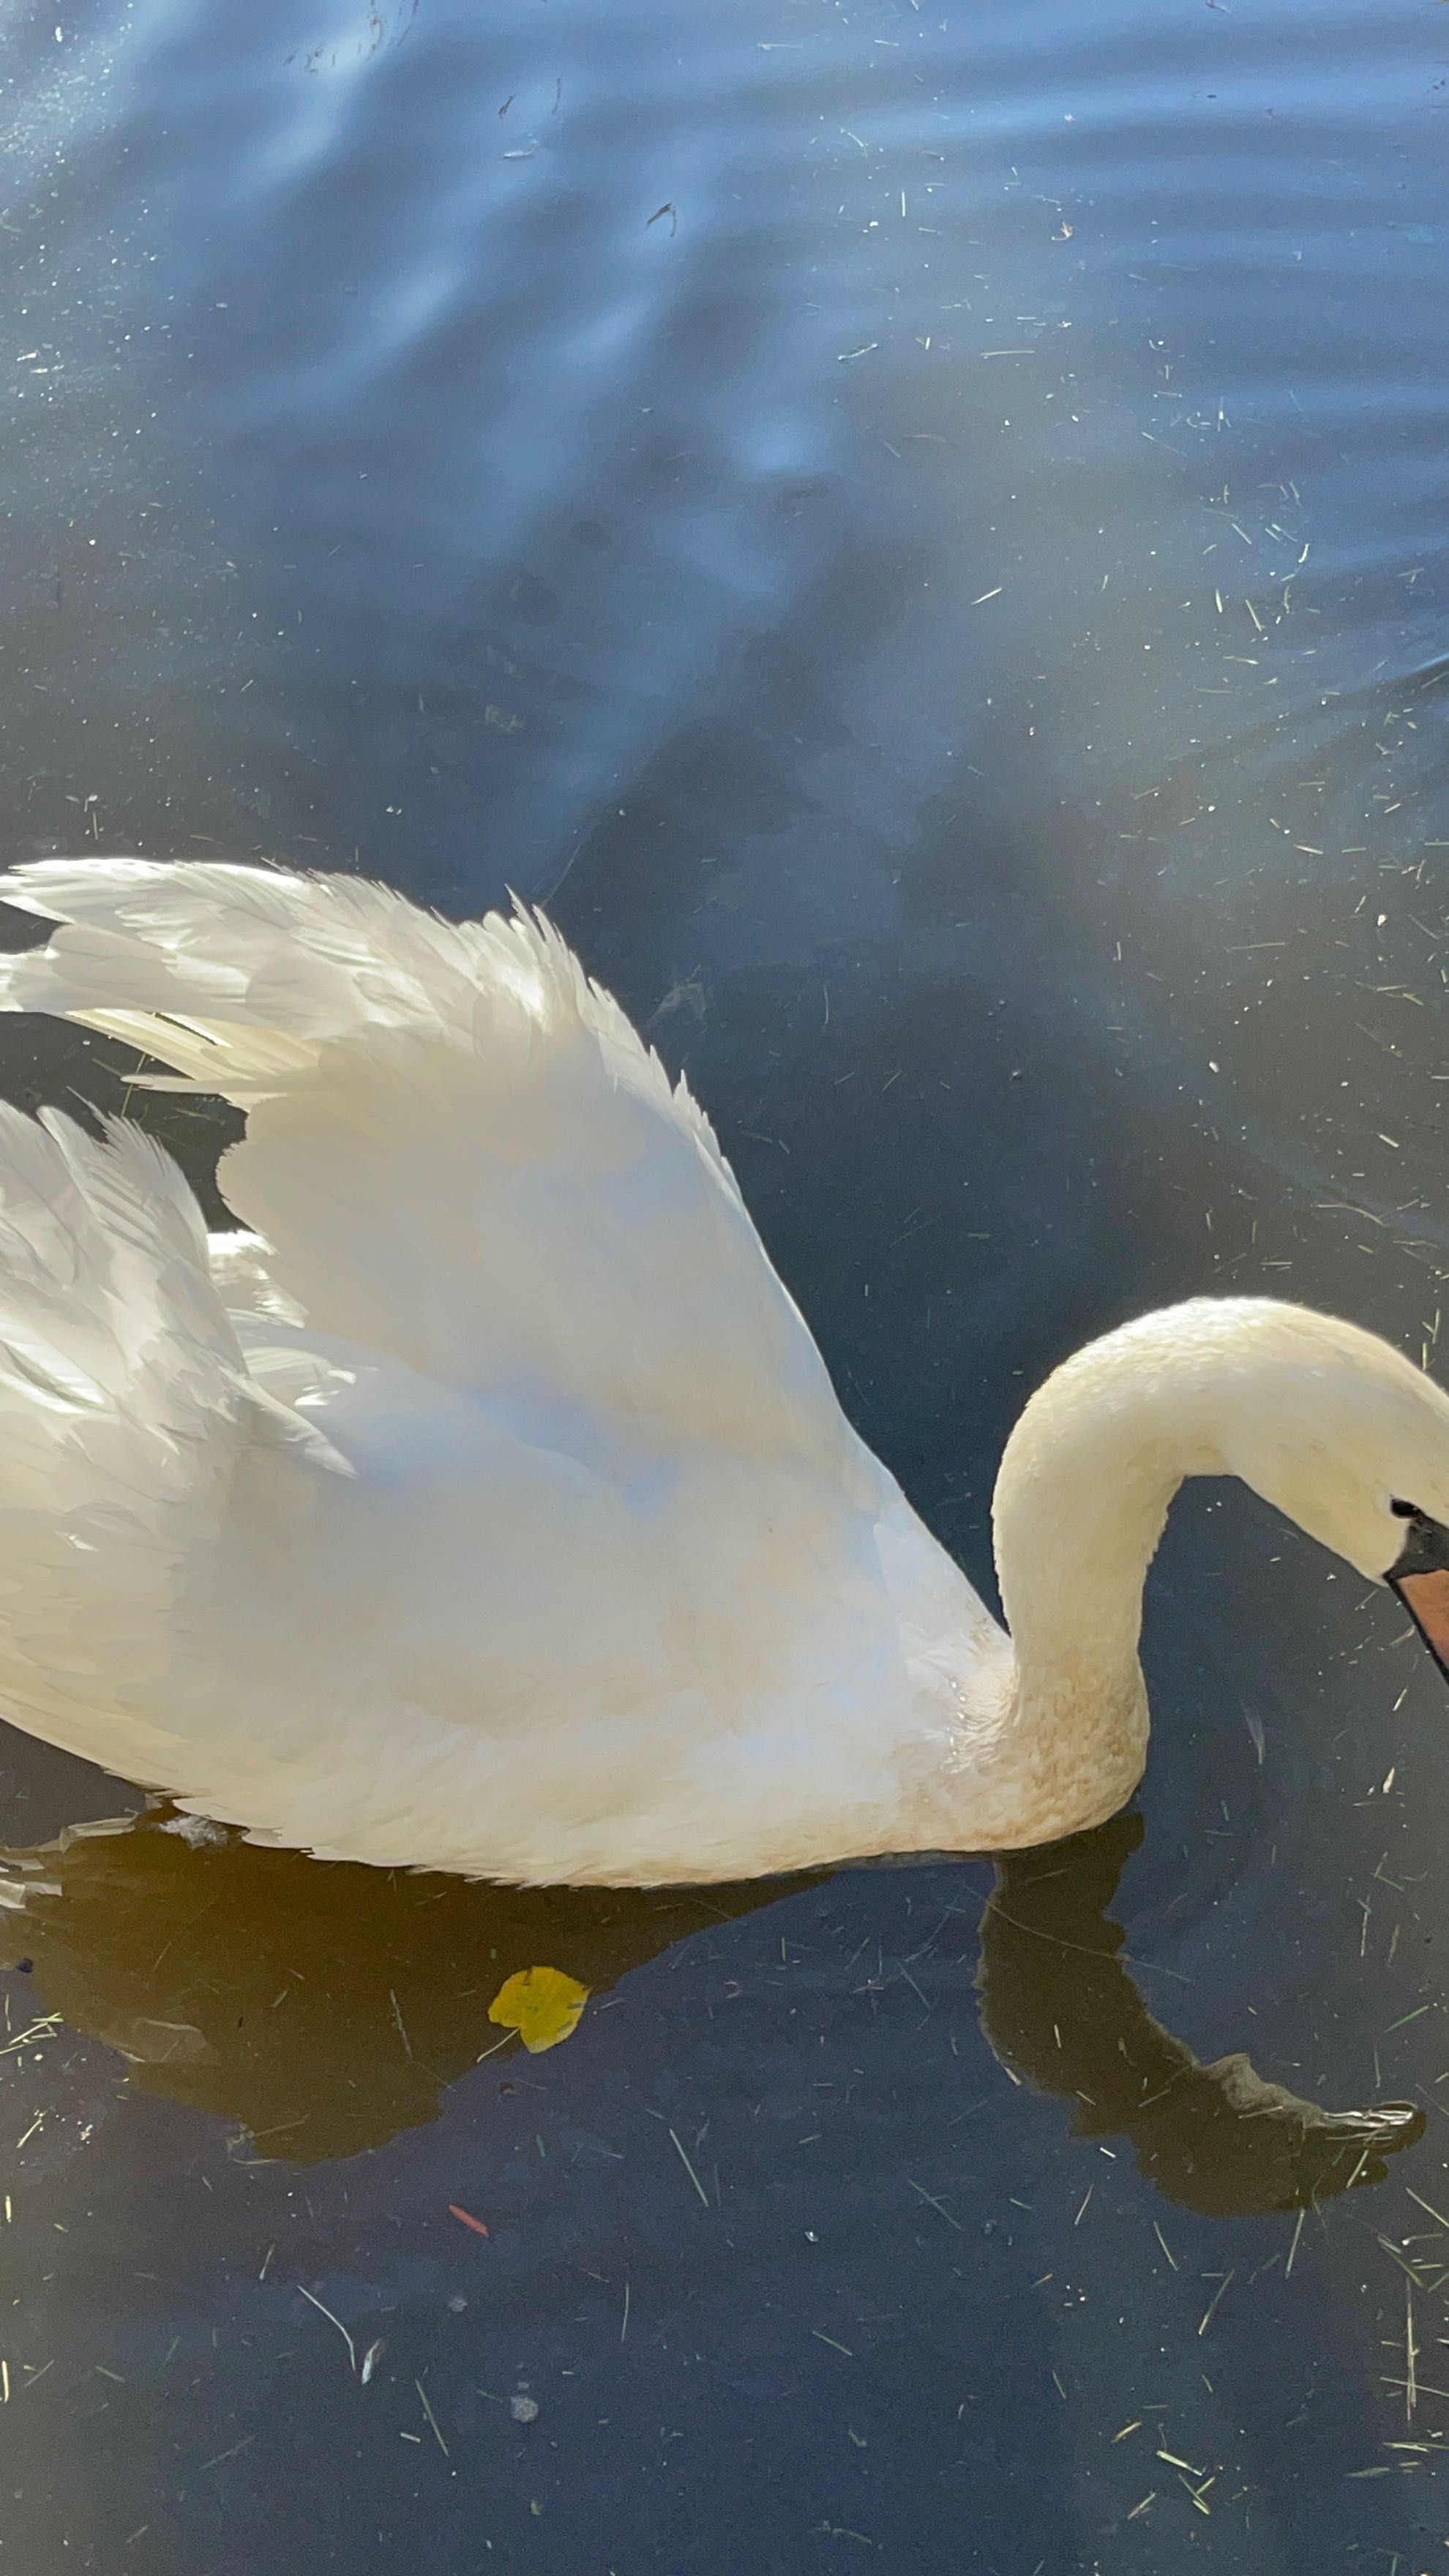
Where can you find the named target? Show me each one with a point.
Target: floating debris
(332, 2321)
(543, 2005)
(1212, 2305)
(689, 2169)
(432, 2419)
(939, 2206)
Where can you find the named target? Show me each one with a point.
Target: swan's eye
(1406, 1511)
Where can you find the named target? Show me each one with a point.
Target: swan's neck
(1080, 1502)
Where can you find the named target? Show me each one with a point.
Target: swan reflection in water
(1060, 2009)
(324, 2006)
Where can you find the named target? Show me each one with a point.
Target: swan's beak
(1421, 1580)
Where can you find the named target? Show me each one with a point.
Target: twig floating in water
(689, 2169)
(1212, 2304)
(432, 2419)
(938, 2206)
(332, 2321)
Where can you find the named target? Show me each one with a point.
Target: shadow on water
(323, 2007)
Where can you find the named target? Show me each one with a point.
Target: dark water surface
(920, 530)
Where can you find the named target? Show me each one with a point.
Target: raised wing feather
(457, 1147)
(123, 1402)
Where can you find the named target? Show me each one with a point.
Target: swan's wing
(457, 1146)
(124, 1403)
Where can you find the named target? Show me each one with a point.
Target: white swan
(488, 1508)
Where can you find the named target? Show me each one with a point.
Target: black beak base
(1420, 1577)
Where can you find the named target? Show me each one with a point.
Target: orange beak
(1426, 1598)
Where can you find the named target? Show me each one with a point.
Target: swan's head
(1347, 1437)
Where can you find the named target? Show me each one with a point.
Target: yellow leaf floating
(542, 2005)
